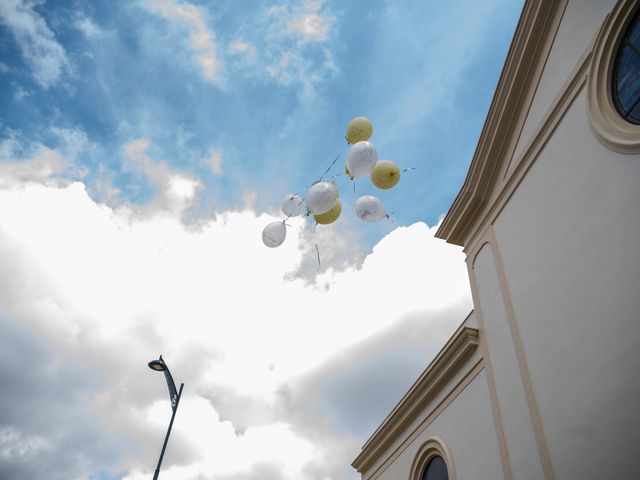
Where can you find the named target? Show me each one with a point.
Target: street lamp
(160, 366)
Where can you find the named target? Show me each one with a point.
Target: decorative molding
(519, 78)
(409, 438)
(440, 371)
(609, 127)
(433, 446)
(523, 366)
(569, 92)
(505, 461)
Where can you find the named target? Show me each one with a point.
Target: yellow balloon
(330, 216)
(346, 170)
(385, 174)
(359, 129)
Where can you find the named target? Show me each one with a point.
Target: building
(542, 380)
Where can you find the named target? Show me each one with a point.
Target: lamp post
(160, 366)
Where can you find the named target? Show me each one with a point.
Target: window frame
(432, 447)
(622, 46)
(608, 125)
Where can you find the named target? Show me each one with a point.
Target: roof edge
(446, 363)
(513, 96)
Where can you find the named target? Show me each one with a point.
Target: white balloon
(321, 196)
(274, 234)
(362, 157)
(370, 209)
(291, 205)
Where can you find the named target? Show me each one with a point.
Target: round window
(626, 74)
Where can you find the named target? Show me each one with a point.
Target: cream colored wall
(511, 398)
(569, 239)
(557, 291)
(580, 24)
(467, 427)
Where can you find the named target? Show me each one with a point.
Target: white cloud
(35, 163)
(298, 44)
(109, 287)
(22, 161)
(88, 27)
(176, 191)
(16, 445)
(308, 23)
(202, 40)
(20, 94)
(214, 161)
(44, 166)
(244, 49)
(38, 45)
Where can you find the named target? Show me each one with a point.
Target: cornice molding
(412, 404)
(519, 78)
(568, 94)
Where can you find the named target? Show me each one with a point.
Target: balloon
(291, 205)
(362, 157)
(330, 216)
(385, 174)
(346, 170)
(274, 234)
(320, 197)
(370, 209)
(359, 129)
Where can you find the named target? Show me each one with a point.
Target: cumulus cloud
(176, 191)
(46, 430)
(44, 166)
(22, 162)
(202, 39)
(38, 45)
(273, 365)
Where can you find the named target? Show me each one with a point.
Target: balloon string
(318, 255)
(407, 169)
(330, 167)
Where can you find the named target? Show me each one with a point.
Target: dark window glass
(436, 470)
(626, 73)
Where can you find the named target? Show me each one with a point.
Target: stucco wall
(569, 239)
(514, 411)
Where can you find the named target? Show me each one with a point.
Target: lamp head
(158, 365)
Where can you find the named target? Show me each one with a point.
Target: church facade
(542, 379)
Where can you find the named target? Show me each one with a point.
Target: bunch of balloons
(322, 196)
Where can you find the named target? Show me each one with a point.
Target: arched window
(433, 461)
(436, 469)
(626, 74)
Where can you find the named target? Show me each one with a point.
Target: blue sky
(143, 147)
(423, 72)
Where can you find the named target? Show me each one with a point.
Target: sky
(144, 145)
